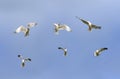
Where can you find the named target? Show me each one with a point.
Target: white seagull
(24, 29)
(64, 49)
(99, 51)
(23, 60)
(61, 27)
(90, 25)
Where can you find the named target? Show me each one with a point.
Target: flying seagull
(90, 25)
(24, 29)
(61, 27)
(23, 60)
(64, 49)
(99, 51)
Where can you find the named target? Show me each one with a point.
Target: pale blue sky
(41, 46)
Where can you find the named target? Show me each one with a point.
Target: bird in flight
(59, 27)
(90, 25)
(64, 49)
(24, 29)
(23, 60)
(99, 51)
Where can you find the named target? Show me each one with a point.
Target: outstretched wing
(60, 48)
(84, 21)
(95, 26)
(27, 59)
(21, 29)
(102, 49)
(31, 24)
(67, 28)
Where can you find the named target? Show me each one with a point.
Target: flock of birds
(57, 28)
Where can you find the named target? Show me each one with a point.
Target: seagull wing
(95, 26)
(60, 48)
(102, 49)
(21, 29)
(31, 24)
(27, 59)
(84, 21)
(67, 28)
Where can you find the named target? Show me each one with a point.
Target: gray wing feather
(102, 49)
(96, 27)
(84, 21)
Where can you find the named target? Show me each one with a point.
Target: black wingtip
(29, 59)
(99, 27)
(106, 48)
(59, 47)
(19, 55)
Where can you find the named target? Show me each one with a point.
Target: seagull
(23, 60)
(90, 25)
(98, 52)
(24, 29)
(64, 49)
(61, 27)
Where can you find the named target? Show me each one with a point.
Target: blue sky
(41, 46)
